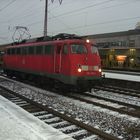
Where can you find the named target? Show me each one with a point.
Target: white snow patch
(122, 76)
(17, 124)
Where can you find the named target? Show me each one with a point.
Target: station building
(118, 49)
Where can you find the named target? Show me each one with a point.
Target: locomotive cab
(80, 64)
(86, 64)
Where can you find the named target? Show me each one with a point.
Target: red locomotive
(65, 59)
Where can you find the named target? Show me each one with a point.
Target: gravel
(123, 126)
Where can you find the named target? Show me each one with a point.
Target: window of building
(131, 43)
(123, 43)
(119, 43)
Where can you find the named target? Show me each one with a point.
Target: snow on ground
(115, 105)
(17, 124)
(109, 121)
(118, 97)
(122, 76)
(112, 122)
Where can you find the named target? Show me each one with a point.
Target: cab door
(58, 59)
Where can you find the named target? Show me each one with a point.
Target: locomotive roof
(60, 38)
(47, 42)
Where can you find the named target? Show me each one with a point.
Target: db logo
(23, 61)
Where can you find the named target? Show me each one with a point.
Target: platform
(122, 76)
(17, 124)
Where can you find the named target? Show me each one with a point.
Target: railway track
(114, 105)
(111, 104)
(123, 84)
(119, 97)
(84, 98)
(130, 92)
(124, 91)
(67, 125)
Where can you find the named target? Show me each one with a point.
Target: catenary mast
(46, 16)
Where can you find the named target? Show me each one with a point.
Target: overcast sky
(80, 17)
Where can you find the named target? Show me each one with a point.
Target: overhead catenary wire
(59, 18)
(7, 5)
(66, 25)
(84, 8)
(106, 22)
(70, 12)
(29, 14)
(94, 24)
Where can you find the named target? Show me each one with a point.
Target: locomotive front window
(78, 49)
(94, 50)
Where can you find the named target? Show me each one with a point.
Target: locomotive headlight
(79, 69)
(87, 41)
(100, 70)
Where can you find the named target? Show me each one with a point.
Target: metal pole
(46, 15)
(46, 18)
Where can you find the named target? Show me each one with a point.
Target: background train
(119, 50)
(65, 59)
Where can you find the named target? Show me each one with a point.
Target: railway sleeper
(84, 136)
(77, 133)
(46, 116)
(61, 124)
(52, 120)
(39, 113)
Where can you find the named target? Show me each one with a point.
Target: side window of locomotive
(8, 51)
(39, 49)
(94, 50)
(78, 49)
(65, 49)
(18, 50)
(13, 51)
(31, 50)
(49, 49)
(24, 50)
